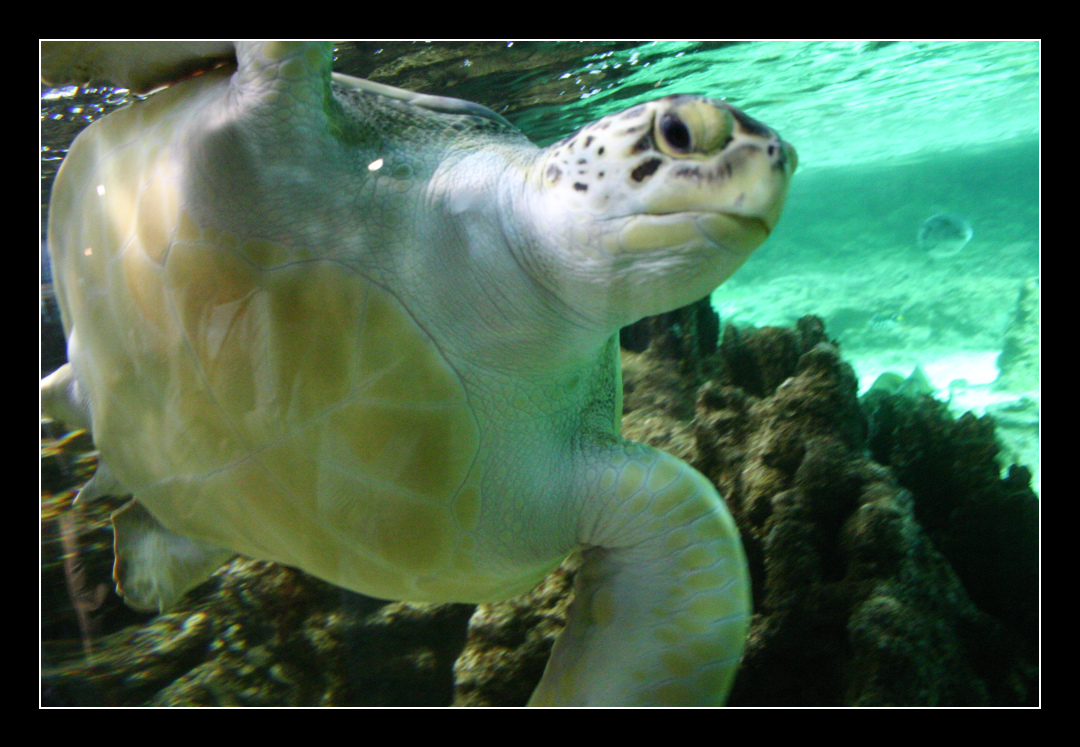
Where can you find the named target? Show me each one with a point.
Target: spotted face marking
(645, 170)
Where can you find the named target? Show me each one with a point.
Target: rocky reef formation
(1019, 360)
(874, 571)
(891, 562)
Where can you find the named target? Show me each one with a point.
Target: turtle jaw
(731, 231)
(683, 232)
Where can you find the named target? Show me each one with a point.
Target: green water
(841, 102)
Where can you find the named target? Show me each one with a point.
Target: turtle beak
(761, 181)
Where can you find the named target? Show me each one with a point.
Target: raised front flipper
(662, 602)
(154, 567)
(141, 66)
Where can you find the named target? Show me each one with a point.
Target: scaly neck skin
(494, 307)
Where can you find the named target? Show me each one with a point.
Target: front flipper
(154, 567)
(140, 66)
(662, 603)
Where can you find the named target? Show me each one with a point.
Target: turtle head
(652, 208)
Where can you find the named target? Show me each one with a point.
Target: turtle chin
(734, 232)
(690, 231)
(666, 261)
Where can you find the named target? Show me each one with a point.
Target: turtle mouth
(723, 228)
(726, 231)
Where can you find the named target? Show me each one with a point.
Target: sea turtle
(372, 334)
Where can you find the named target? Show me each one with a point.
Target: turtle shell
(298, 411)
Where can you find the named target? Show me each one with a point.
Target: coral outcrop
(861, 597)
(1019, 360)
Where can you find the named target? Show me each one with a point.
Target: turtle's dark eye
(675, 133)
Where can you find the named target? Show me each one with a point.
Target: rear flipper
(63, 399)
(155, 567)
(662, 603)
(101, 484)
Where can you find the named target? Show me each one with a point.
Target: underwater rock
(986, 525)
(260, 634)
(658, 403)
(1016, 423)
(664, 360)
(944, 235)
(915, 384)
(688, 334)
(1018, 363)
(856, 603)
(509, 642)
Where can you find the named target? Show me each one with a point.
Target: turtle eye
(672, 134)
(693, 127)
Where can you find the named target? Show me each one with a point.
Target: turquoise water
(842, 102)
